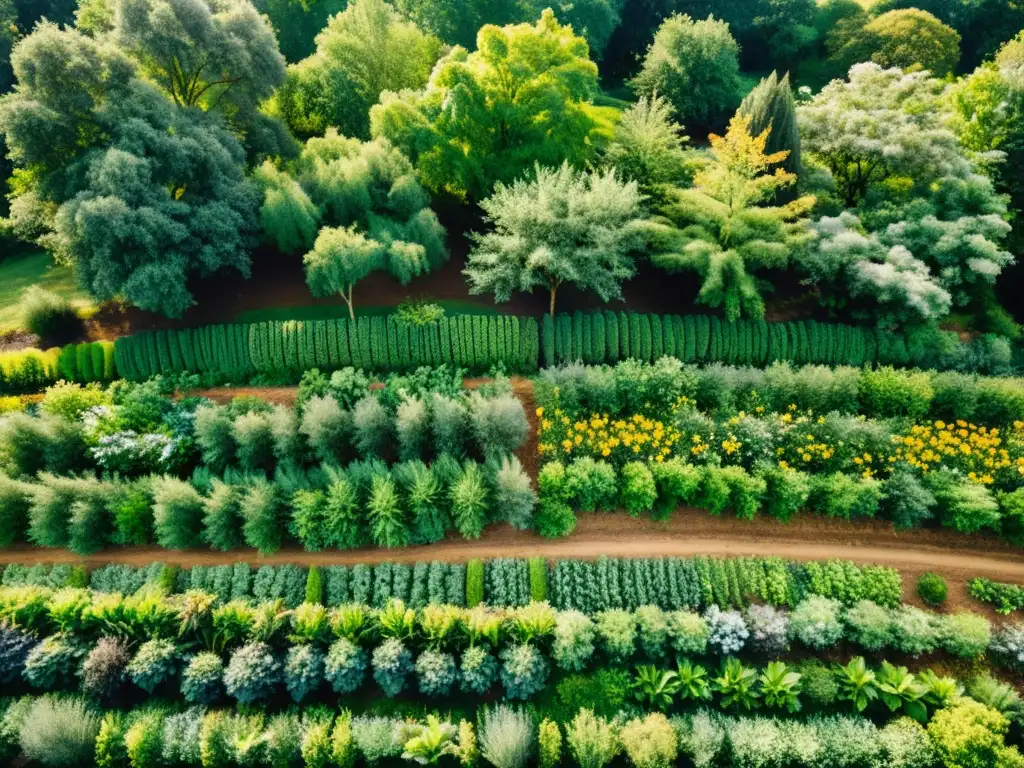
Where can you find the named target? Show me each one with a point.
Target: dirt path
(690, 532)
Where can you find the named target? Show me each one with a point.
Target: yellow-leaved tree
(725, 227)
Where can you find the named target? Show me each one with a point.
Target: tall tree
(907, 39)
(648, 147)
(556, 227)
(695, 65)
(722, 229)
(374, 214)
(213, 54)
(364, 51)
(523, 97)
(770, 105)
(138, 194)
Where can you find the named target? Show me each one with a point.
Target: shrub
(143, 739)
(637, 491)
(392, 663)
(593, 741)
(688, 633)
(14, 649)
(769, 629)
(818, 684)
(327, 427)
(221, 520)
(966, 635)
(303, 671)
(412, 428)
(52, 663)
(969, 733)
(103, 671)
(59, 732)
(815, 622)
(201, 681)
(253, 673)
(653, 630)
(507, 737)
(616, 633)
(373, 427)
(254, 441)
(478, 670)
(436, 672)
(906, 500)
(154, 662)
(650, 742)
(214, 436)
(914, 631)
(469, 501)
(867, 624)
(573, 643)
(549, 744)
(345, 666)
(177, 513)
(499, 423)
(449, 423)
(555, 517)
(47, 315)
(932, 589)
(887, 393)
(727, 632)
(513, 498)
(524, 671)
(262, 516)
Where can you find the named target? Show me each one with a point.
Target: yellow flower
(540, 411)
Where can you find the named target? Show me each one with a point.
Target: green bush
(474, 583)
(48, 315)
(932, 589)
(887, 393)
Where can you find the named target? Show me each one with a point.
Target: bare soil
(689, 532)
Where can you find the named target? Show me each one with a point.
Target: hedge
(30, 370)
(291, 347)
(606, 337)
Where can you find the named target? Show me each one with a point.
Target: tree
(879, 124)
(695, 65)
(721, 229)
(217, 55)
(523, 97)
(8, 36)
(94, 17)
(771, 106)
(906, 39)
(647, 147)
(558, 226)
(886, 285)
(135, 192)
(374, 213)
(364, 51)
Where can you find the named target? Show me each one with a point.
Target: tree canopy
(695, 65)
(521, 98)
(722, 230)
(556, 227)
(367, 195)
(908, 39)
(362, 52)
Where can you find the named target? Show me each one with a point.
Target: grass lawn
(19, 271)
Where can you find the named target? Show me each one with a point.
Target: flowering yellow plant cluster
(977, 451)
(632, 438)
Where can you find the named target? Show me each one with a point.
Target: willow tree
(722, 230)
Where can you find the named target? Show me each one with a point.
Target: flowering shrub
(632, 438)
(477, 670)
(815, 622)
(727, 632)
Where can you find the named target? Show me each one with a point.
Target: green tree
(695, 65)
(137, 193)
(558, 226)
(363, 51)
(94, 17)
(907, 39)
(771, 106)
(523, 97)
(297, 22)
(648, 147)
(722, 230)
(218, 55)
(374, 214)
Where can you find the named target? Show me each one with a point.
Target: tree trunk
(554, 290)
(348, 300)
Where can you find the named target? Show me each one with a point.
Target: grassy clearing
(19, 271)
(333, 311)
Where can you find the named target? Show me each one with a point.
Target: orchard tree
(374, 214)
(523, 97)
(364, 51)
(558, 226)
(217, 55)
(723, 230)
(648, 147)
(906, 39)
(695, 65)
